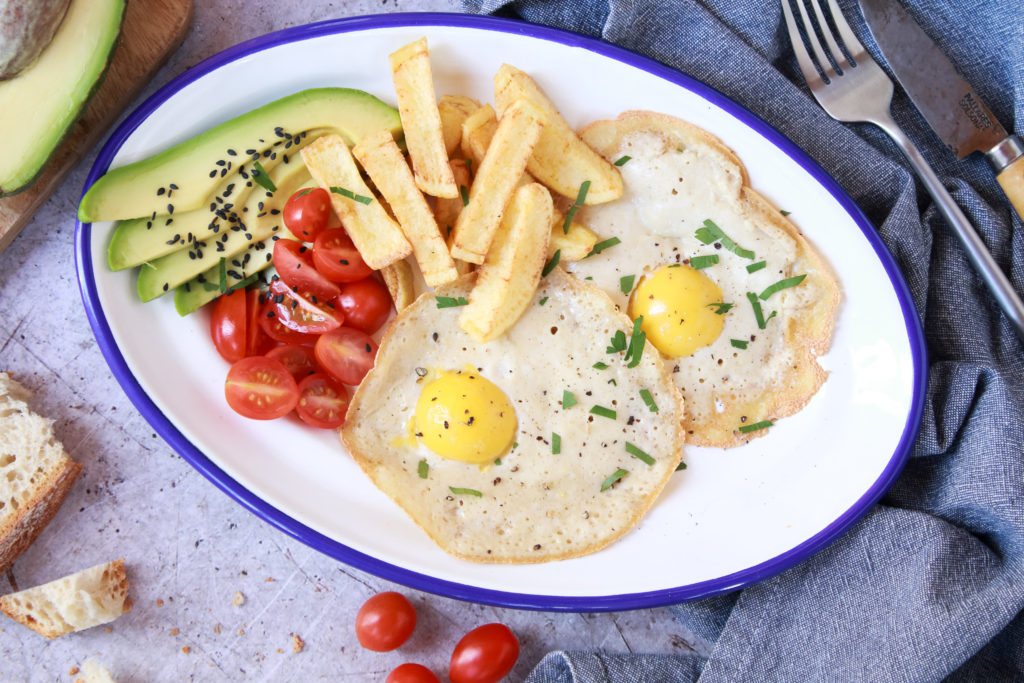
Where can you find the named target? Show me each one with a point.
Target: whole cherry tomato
(412, 673)
(385, 621)
(366, 304)
(484, 655)
(306, 213)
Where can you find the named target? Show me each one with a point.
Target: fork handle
(977, 252)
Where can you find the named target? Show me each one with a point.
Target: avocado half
(185, 176)
(39, 106)
(26, 29)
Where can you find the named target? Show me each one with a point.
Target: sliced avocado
(139, 240)
(39, 106)
(196, 166)
(257, 221)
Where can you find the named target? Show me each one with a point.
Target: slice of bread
(35, 472)
(93, 596)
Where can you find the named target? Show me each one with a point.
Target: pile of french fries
(481, 190)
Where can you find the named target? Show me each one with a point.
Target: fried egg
(729, 291)
(546, 443)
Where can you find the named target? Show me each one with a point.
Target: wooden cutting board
(151, 32)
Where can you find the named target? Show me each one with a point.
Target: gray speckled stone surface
(190, 548)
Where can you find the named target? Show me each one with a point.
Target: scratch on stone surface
(318, 585)
(11, 336)
(615, 623)
(355, 578)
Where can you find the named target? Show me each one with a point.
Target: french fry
(454, 109)
(506, 281)
(573, 245)
(378, 238)
(384, 162)
(477, 131)
(417, 105)
(561, 160)
(496, 180)
(446, 211)
(399, 281)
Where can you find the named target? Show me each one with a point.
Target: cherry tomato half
(302, 313)
(261, 388)
(323, 401)
(412, 673)
(346, 354)
(366, 304)
(484, 655)
(306, 213)
(294, 264)
(278, 332)
(385, 621)
(258, 342)
(336, 257)
(228, 326)
(299, 360)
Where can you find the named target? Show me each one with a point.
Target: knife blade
(948, 103)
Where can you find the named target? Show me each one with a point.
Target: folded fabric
(930, 584)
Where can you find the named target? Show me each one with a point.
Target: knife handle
(1011, 179)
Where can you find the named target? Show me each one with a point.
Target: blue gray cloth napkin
(930, 584)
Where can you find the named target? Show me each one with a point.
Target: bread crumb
(280, 651)
(175, 631)
(297, 644)
(186, 649)
(269, 579)
(79, 680)
(241, 631)
(73, 671)
(216, 629)
(239, 599)
(109, 630)
(159, 602)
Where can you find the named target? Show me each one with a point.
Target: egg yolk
(675, 303)
(462, 416)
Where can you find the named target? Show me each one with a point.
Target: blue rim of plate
(424, 582)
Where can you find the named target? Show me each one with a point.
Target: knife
(947, 101)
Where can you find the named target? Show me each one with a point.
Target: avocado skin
(195, 166)
(85, 76)
(26, 29)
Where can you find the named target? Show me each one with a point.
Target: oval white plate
(732, 518)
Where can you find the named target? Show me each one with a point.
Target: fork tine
(803, 58)
(837, 54)
(845, 32)
(812, 36)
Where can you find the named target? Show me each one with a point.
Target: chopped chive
(550, 265)
(556, 443)
(497, 461)
(304, 192)
(739, 343)
(604, 244)
(721, 308)
(600, 366)
(464, 193)
(465, 492)
(763, 424)
(782, 284)
(784, 212)
(626, 283)
(469, 166)
(222, 270)
(613, 478)
(362, 199)
(649, 400)
(543, 301)
(568, 399)
(581, 196)
(638, 454)
(621, 161)
(450, 301)
(681, 466)
(423, 469)
(636, 344)
(259, 174)
(754, 267)
(613, 382)
(758, 313)
(603, 412)
(618, 342)
(701, 262)
(712, 233)
(245, 283)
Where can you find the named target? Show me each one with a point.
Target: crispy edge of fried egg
(577, 290)
(808, 334)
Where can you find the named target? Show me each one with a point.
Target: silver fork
(855, 89)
